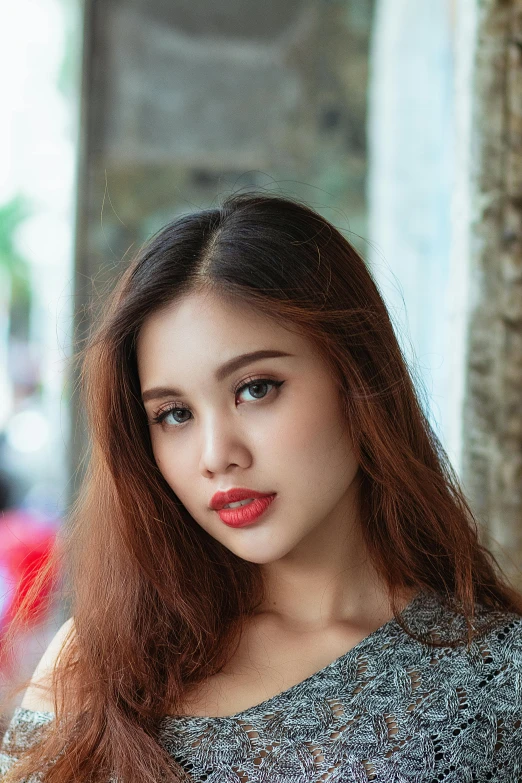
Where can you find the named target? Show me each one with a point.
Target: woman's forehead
(204, 319)
(200, 334)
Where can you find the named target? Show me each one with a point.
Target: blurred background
(399, 120)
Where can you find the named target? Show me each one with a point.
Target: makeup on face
(247, 511)
(252, 430)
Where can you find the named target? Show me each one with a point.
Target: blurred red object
(26, 541)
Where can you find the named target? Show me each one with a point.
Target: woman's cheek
(160, 455)
(297, 430)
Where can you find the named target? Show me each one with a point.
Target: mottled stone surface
(190, 100)
(493, 401)
(187, 100)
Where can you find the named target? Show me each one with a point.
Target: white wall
(411, 183)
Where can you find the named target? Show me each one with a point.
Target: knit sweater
(390, 710)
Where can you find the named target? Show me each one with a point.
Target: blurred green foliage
(70, 69)
(12, 214)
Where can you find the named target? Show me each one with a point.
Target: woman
(273, 572)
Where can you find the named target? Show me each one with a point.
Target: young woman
(273, 572)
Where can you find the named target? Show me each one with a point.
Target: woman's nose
(222, 445)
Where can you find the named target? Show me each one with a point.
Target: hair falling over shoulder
(145, 630)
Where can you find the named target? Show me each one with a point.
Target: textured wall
(492, 464)
(411, 146)
(187, 100)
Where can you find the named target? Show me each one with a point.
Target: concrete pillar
(492, 414)
(185, 101)
(410, 129)
(453, 276)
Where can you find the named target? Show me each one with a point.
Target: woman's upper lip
(220, 499)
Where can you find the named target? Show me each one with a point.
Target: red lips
(220, 499)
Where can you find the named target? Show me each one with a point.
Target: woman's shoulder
(38, 696)
(501, 631)
(37, 707)
(21, 732)
(486, 674)
(499, 652)
(25, 721)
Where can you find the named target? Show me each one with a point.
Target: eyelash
(160, 415)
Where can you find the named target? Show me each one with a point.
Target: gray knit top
(389, 710)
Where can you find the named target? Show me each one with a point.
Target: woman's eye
(255, 388)
(164, 416)
(256, 385)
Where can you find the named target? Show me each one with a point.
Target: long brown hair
(145, 629)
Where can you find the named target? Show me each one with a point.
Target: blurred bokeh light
(40, 52)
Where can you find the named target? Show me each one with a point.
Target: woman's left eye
(259, 382)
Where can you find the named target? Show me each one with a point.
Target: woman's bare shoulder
(38, 696)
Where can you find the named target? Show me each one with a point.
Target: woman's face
(283, 434)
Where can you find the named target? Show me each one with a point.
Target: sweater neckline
(408, 612)
(412, 613)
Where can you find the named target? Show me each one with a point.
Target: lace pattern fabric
(390, 710)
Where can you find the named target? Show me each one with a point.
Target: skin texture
(323, 595)
(292, 441)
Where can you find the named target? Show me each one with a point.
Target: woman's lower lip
(245, 515)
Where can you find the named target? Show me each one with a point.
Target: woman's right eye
(160, 417)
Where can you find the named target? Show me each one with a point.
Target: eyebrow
(220, 374)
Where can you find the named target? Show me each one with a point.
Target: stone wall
(185, 101)
(492, 415)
